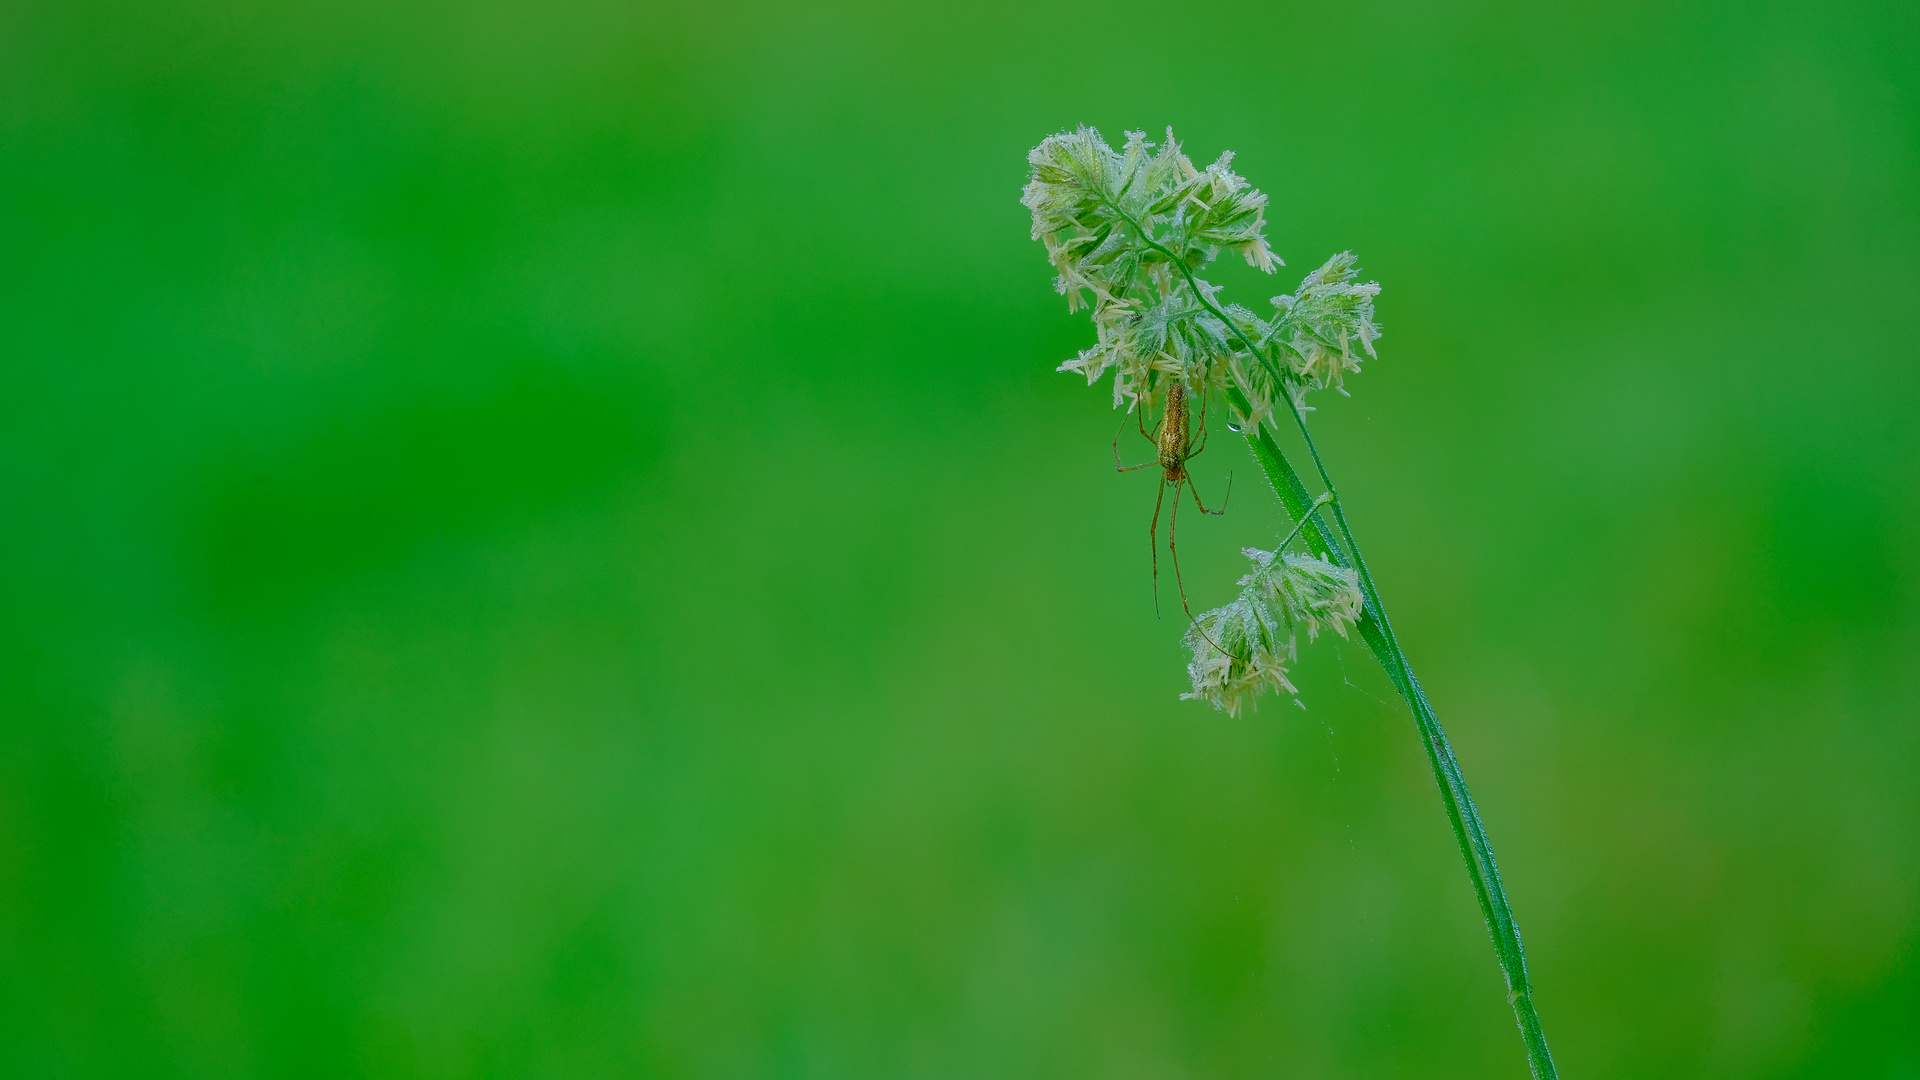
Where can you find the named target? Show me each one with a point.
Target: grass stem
(1378, 633)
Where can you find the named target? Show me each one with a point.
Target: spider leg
(1117, 467)
(1192, 619)
(1173, 525)
(1153, 540)
(1203, 506)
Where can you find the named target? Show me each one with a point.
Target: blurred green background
(543, 540)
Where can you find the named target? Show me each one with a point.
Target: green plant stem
(1377, 632)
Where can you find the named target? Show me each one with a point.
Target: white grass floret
(1244, 647)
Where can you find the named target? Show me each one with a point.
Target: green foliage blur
(544, 540)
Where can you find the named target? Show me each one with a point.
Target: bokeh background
(543, 540)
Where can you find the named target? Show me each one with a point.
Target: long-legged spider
(1175, 441)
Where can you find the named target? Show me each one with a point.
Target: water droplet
(1234, 426)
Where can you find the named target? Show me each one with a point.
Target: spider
(1175, 440)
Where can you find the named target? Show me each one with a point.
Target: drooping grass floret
(1245, 647)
